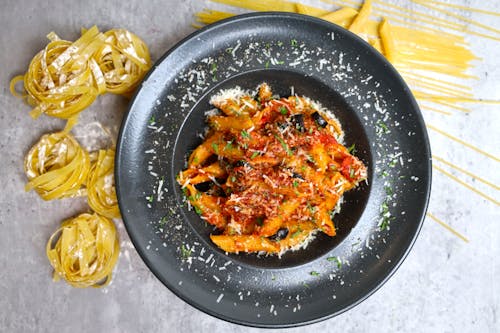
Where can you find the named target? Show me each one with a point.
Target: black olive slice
(319, 119)
(279, 235)
(204, 187)
(298, 122)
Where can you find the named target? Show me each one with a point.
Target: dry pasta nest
(84, 250)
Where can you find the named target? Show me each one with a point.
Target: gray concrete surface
(445, 285)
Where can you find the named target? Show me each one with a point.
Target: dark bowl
(379, 220)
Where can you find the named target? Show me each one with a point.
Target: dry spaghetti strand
(470, 9)
(448, 227)
(434, 128)
(459, 17)
(473, 189)
(84, 251)
(470, 174)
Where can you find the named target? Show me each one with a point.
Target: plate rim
(419, 119)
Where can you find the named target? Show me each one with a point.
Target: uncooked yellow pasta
(387, 40)
(358, 24)
(101, 185)
(60, 80)
(84, 251)
(57, 166)
(66, 77)
(124, 60)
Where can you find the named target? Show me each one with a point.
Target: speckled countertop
(445, 284)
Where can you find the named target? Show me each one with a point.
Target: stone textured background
(445, 285)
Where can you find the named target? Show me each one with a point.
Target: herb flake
(185, 253)
(337, 260)
(284, 145)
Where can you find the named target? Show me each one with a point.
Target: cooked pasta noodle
(270, 172)
(84, 251)
(57, 166)
(100, 186)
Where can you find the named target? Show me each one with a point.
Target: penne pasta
(270, 173)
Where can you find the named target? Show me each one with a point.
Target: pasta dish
(270, 172)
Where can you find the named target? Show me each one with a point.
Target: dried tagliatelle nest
(61, 81)
(84, 251)
(57, 166)
(66, 77)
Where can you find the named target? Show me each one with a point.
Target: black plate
(379, 115)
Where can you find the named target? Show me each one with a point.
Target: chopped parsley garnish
(388, 190)
(229, 145)
(235, 111)
(312, 209)
(295, 184)
(260, 221)
(283, 110)
(296, 233)
(351, 172)
(245, 134)
(337, 260)
(384, 173)
(284, 145)
(293, 42)
(233, 179)
(393, 163)
(384, 224)
(314, 273)
(229, 50)
(268, 46)
(213, 70)
(198, 210)
(185, 253)
(352, 149)
(152, 120)
(163, 221)
(254, 155)
(385, 216)
(267, 64)
(381, 128)
(280, 62)
(215, 148)
(280, 43)
(150, 198)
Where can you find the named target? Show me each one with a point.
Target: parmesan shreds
(273, 171)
